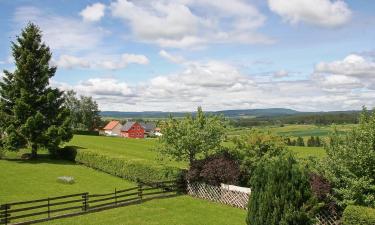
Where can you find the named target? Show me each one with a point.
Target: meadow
(27, 180)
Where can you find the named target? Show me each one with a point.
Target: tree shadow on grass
(46, 158)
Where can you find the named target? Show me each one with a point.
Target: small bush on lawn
(280, 193)
(358, 215)
(214, 170)
(129, 169)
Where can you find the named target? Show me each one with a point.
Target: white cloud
(61, 33)
(281, 74)
(352, 65)
(354, 71)
(172, 58)
(325, 13)
(174, 23)
(93, 12)
(70, 62)
(112, 62)
(124, 60)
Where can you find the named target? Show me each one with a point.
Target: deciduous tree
(191, 137)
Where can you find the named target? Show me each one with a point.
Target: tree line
(310, 118)
(299, 141)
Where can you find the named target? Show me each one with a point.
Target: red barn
(132, 130)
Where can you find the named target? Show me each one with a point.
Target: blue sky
(309, 55)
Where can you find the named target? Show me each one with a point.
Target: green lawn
(27, 180)
(140, 149)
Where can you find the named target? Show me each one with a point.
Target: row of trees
(32, 113)
(307, 118)
(299, 141)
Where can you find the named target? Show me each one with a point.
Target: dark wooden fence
(34, 211)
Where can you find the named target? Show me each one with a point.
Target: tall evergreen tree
(34, 115)
(280, 193)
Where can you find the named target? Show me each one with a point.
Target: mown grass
(27, 180)
(138, 149)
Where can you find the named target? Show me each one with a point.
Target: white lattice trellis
(240, 199)
(218, 194)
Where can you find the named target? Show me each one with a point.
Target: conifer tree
(300, 142)
(33, 112)
(280, 193)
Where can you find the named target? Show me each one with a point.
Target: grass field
(296, 130)
(27, 180)
(139, 149)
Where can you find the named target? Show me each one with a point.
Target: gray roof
(127, 126)
(148, 126)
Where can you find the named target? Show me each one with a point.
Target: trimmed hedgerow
(358, 215)
(129, 169)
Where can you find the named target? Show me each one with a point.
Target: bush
(358, 215)
(280, 193)
(66, 153)
(215, 170)
(250, 148)
(126, 168)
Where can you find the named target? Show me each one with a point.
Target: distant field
(295, 130)
(25, 180)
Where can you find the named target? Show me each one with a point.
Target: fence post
(115, 196)
(139, 190)
(5, 209)
(85, 197)
(48, 208)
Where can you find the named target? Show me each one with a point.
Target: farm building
(132, 130)
(113, 128)
(149, 128)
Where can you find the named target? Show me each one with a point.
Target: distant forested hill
(226, 113)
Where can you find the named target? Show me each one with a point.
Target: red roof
(111, 125)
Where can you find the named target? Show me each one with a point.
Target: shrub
(66, 153)
(250, 148)
(358, 215)
(129, 169)
(350, 163)
(214, 170)
(322, 190)
(280, 193)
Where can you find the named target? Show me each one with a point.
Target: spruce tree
(280, 193)
(33, 112)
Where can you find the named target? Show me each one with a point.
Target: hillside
(227, 113)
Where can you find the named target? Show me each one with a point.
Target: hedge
(86, 132)
(358, 215)
(130, 169)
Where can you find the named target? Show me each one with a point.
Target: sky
(176, 55)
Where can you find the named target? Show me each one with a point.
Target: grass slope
(139, 149)
(27, 180)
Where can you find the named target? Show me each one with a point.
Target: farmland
(24, 180)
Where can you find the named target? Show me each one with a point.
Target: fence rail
(39, 210)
